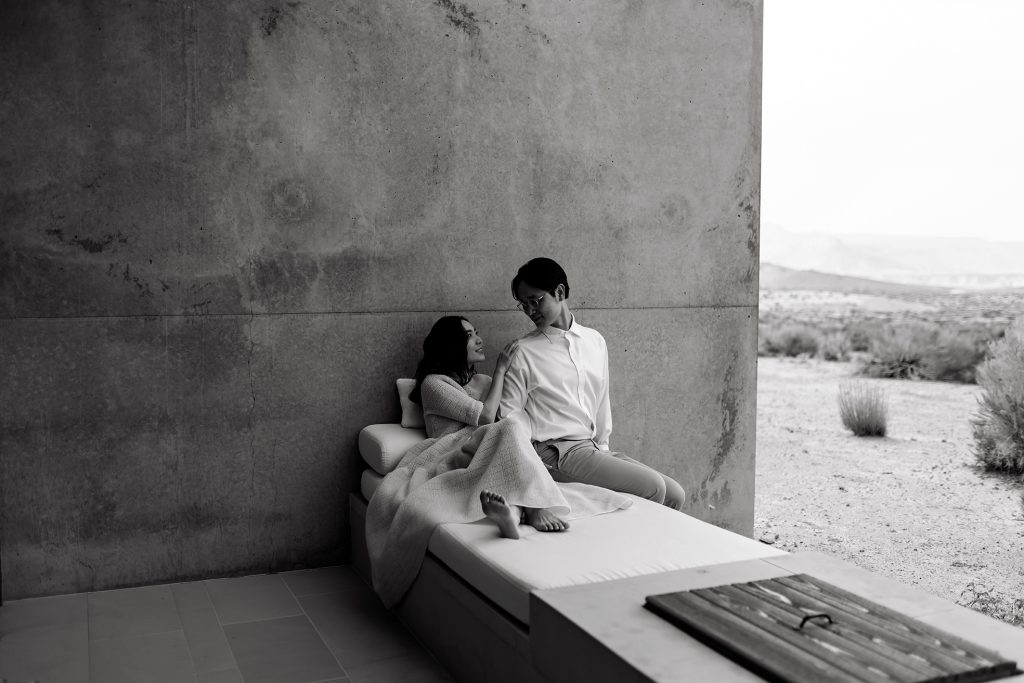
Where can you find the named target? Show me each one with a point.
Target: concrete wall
(227, 227)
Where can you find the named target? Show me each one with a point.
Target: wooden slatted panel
(865, 620)
(773, 658)
(857, 631)
(813, 639)
(758, 623)
(931, 640)
(859, 658)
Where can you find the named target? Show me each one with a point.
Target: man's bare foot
(497, 509)
(542, 519)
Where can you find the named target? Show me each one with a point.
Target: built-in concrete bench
(470, 604)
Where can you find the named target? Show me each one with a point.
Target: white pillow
(382, 446)
(412, 413)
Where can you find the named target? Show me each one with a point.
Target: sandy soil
(836, 302)
(826, 309)
(911, 506)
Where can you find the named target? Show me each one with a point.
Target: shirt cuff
(603, 447)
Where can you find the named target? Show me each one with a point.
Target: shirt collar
(574, 329)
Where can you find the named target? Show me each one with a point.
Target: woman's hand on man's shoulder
(506, 356)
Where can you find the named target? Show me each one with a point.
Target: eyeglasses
(530, 304)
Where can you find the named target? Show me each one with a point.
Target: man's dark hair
(542, 273)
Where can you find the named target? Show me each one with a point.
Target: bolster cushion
(382, 446)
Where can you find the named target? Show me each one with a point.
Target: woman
(453, 395)
(470, 468)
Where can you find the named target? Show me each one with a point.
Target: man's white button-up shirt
(559, 378)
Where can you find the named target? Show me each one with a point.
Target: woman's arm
(493, 398)
(443, 397)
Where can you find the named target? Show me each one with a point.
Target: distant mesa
(868, 261)
(777, 277)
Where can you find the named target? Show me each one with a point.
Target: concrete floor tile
(132, 612)
(46, 653)
(252, 598)
(356, 626)
(206, 640)
(284, 650)
(153, 658)
(24, 616)
(222, 676)
(175, 633)
(317, 581)
(418, 668)
(45, 639)
(191, 595)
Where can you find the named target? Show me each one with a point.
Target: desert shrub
(999, 425)
(897, 352)
(984, 600)
(863, 408)
(834, 346)
(926, 351)
(954, 356)
(789, 340)
(861, 332)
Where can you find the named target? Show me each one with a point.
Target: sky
(894, 117)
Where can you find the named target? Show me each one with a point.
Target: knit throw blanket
(439, 481)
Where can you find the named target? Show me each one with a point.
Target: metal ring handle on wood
(813, 616)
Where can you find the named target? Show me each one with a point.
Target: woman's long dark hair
(444, 353)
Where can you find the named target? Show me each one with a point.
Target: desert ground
(829, 309)
(911, 505)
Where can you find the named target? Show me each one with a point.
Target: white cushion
(368, 483)
(382, 446)
(646, 538)
(412, 413)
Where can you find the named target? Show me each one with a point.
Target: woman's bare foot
(542, 519)
(497, 509)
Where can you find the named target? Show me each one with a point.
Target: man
(558, 378)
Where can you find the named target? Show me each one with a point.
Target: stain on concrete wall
(228, 226)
